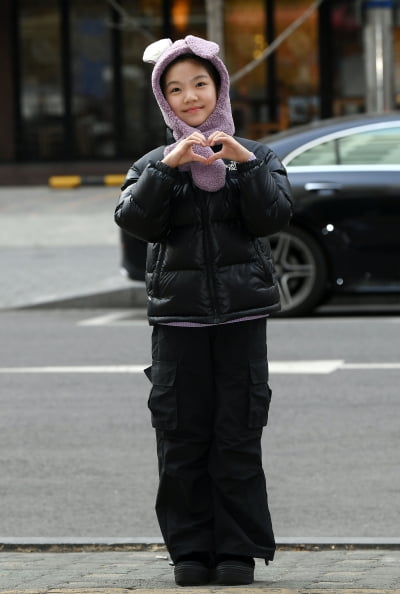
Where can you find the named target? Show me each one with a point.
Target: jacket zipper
(210, 276)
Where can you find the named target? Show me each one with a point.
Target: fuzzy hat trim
(162, 53)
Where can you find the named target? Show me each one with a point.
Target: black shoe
(191, 573)
(234, 573)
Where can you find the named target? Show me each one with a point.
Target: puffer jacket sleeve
(143, 209)
(266, 199)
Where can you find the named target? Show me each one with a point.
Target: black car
(344, 237)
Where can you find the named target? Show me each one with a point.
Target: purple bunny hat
(162, 53)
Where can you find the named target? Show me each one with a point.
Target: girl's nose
(190, 95)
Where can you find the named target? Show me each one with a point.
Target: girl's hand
(231, 149)
(183, 152)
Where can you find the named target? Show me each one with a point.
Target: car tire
(301, 271)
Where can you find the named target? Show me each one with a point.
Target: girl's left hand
(231, 149)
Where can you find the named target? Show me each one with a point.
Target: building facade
(75, 89)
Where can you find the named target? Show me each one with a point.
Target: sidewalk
(61, 248)
(340, 571)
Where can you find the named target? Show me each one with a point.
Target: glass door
(40, 84)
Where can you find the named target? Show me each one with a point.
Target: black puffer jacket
(208, 258)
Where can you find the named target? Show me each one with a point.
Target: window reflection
(290, 95)
(374, 147)
(92, 101)
(297, 63)
(396, 53)
(321, 154)
(40, 80)
(85, 91)
(368, 147)
(143, 125)
(188, 17)
(245, 26)
(348, 75)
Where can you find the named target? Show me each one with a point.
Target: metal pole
(215, 23)
(378, 49)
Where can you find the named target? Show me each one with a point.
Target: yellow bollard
(65, 181)
(114, 180)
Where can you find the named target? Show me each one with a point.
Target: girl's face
(190, 92)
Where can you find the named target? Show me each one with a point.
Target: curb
(125, 298)
(75, 181)
(87, 545)
(148, 543)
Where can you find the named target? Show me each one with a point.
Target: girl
(205, 203)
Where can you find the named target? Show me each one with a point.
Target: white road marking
(103, 320)
(276, 367)
(370, 366)
(77, 369)
(131, 316)
(318, 366)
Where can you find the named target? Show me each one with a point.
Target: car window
(379, 147)
(370, 147)
(321, 154)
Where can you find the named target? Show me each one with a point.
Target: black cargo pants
(209, 403)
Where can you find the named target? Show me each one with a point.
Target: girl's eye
(174, 90)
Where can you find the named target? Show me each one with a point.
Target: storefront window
(85, 92)
(349, 68)
(41, 128)
(91, 71)
(244, 36)
(284, 90)
(297, 64)
(144, 127)
(188, 17)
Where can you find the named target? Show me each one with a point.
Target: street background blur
(76, 96)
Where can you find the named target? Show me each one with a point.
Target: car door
(349, 185)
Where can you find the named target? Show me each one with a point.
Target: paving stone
(292, 572)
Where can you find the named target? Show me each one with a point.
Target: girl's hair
(212, 71)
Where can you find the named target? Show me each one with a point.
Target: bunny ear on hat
(155, 50)
(202, 47)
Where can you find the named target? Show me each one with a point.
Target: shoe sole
(232, 574)
(188, 573)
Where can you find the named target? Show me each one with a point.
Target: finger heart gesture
(230, 148)
(185, 152)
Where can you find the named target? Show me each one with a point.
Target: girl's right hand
(183, 152)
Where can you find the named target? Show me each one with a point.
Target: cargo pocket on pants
(259, 394)
(163, 399)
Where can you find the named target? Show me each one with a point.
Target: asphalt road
(77, 455)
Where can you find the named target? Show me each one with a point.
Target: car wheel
(301, 271)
